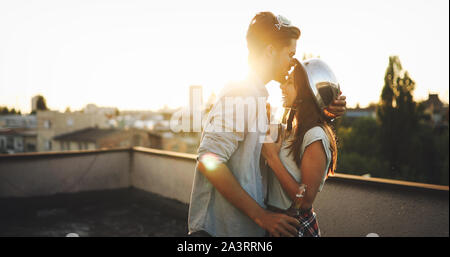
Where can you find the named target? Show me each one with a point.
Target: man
(228, 193)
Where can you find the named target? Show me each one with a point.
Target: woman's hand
(271, 150)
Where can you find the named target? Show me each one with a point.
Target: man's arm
(224, 181)
(220, 146)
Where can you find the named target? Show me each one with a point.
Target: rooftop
(145, 192)
(119, 212)
(86, 135)
(18, 131)
(433, 99)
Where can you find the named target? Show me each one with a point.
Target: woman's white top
(276, 195)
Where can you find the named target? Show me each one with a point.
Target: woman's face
(288, 91)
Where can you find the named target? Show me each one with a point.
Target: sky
(142, 55)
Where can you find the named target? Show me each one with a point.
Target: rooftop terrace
(145, 192)
(116, 212)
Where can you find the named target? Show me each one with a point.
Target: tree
(41, 104)
(413, 150)
(359, 148)
(397, 114)
(399, 144)
(6, 111)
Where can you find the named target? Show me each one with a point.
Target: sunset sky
(145, 54)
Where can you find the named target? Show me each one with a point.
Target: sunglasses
(282, 22)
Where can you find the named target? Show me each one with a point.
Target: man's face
(282, 61)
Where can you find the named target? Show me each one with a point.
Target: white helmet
(322, 82)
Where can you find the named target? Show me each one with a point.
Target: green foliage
(397, 114)
(360, 152)
(41, 103)
(359, 148)
(400, 144)
(6, 111)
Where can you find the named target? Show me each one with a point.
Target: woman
(308, 152)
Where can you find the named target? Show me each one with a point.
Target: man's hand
(337, 107)
(278, 224)
(227, 185)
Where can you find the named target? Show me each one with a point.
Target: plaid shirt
(309, 227)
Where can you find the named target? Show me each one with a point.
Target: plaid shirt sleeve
(309, 226)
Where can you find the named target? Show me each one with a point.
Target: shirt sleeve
(316, 134)
(220, 136)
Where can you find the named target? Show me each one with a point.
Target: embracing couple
(246, 184)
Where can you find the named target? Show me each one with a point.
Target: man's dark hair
(262, 32)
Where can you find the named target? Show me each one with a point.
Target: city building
(437, 110)
(18, 133)
(18, 121)
(97, 138)
(54, 123)
(370, 111)
(94, 109)
(17, 140)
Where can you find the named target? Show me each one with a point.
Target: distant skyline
(142, 55)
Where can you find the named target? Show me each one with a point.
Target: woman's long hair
(305, 115)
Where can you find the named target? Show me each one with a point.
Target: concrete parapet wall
(165, 173)
(347, 206)
(39, 174)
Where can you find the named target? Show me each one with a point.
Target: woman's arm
(270, 152)
(312, 168)
(313, 165)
